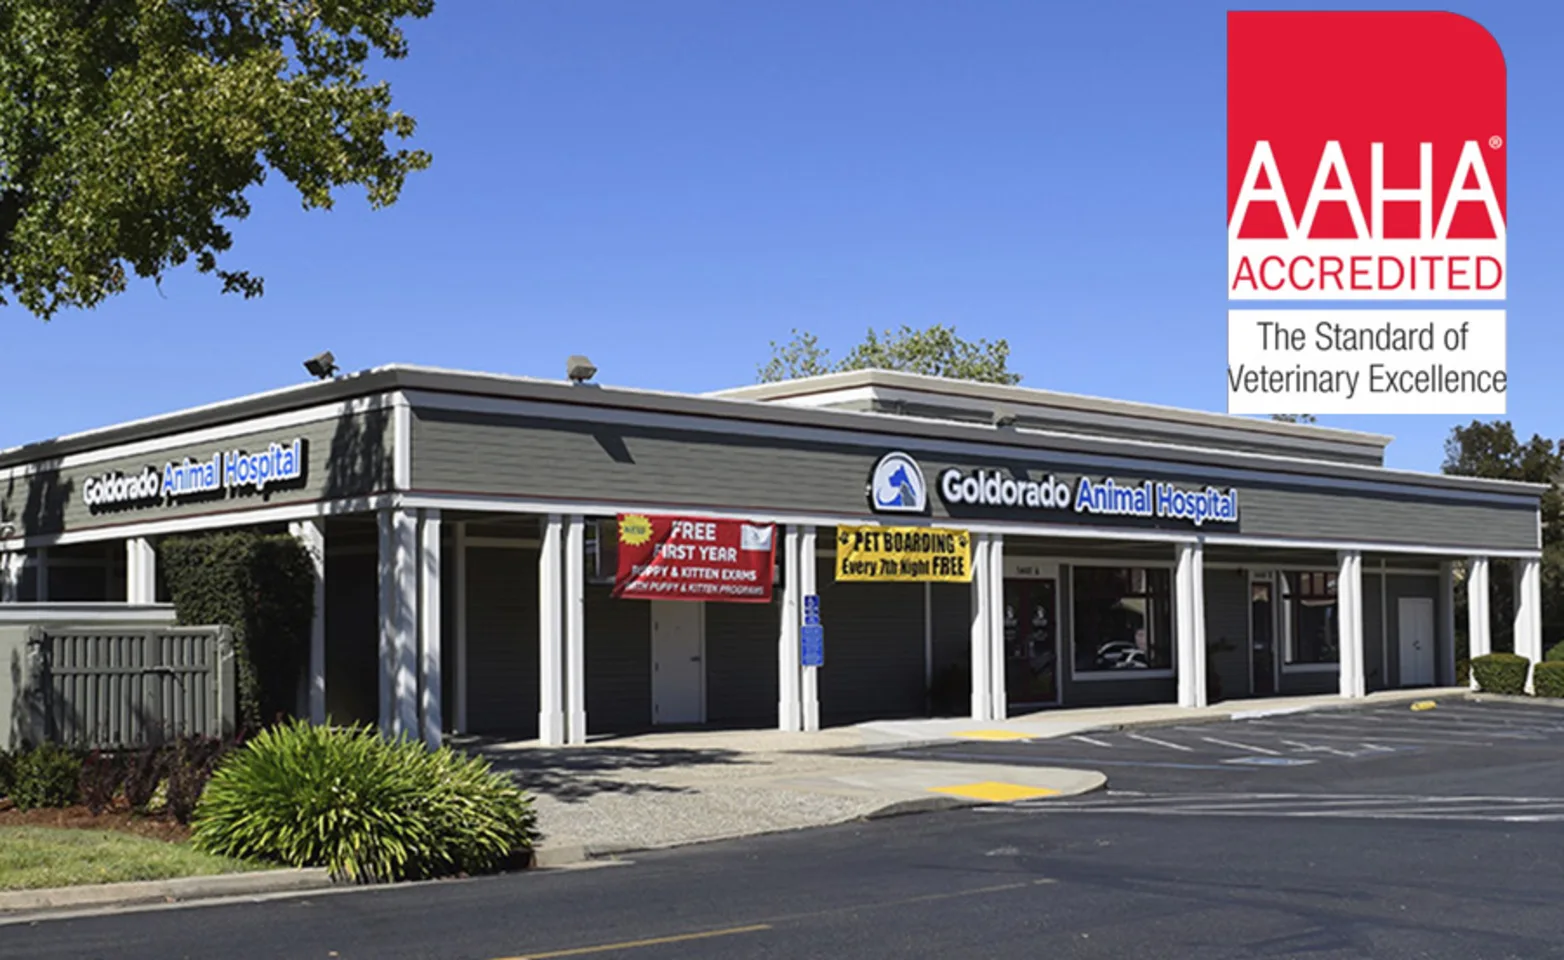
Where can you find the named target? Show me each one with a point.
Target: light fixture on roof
(322, 366)
(579, 369)
(1004, 417)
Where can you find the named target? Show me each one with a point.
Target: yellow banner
(903, 554)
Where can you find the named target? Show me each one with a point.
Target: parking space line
(1160, 743)
(1311, 748)
(1240, 746)
(1356, 736)
(1094, 742)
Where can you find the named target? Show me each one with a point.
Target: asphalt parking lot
(1384, 751)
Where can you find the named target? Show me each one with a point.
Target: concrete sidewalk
(616, 798)
(665, 789)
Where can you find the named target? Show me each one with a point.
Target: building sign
(990, 488)
(694, 558)
(962, 490)
(896, 485)
(903, 554)
(223, 473)
(1366, 155)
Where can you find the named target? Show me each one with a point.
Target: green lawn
(34, 857)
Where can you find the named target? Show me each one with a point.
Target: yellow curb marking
(1424, 705)
(996, 792)
(992, 735)
(652, 942)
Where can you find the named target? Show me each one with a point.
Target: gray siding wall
(873, 649)
(608, 462)
(344, 457)
(1227, 623)
(502, 641)
(951, 609)
(741, 663)
(1374, 675)
(1303, 684)
(618, 662)
(352, 637)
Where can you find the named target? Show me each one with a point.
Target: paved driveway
(1366, 749)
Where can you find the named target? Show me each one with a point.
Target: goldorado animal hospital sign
(221, 473)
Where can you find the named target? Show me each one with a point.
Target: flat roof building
(468, 531)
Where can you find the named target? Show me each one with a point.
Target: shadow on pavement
(572, 775)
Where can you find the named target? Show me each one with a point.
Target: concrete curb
(1554, 702)
(100, 895)
(1284, 711)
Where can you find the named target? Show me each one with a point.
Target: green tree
(936, 351)
(1492, 450)
(131, 129)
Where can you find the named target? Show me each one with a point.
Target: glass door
(1031, 650)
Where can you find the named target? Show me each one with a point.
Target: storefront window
(1312, 634)
(1123, 619)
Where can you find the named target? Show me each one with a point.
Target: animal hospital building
(557, 559)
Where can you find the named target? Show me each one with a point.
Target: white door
(678, 664)
(1416, 617)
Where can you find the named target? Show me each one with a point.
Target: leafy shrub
(102, 774)
(7, 764)
(48, 776)
(1555, 653)
(1547, 678)
(1501, 673)
(190, 764)
(364, 807)
(143, 775)
(263, 587)
(1463, 672)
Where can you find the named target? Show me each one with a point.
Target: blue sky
(668, 186)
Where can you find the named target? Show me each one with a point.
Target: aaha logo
(1366, 157)
(896, 485)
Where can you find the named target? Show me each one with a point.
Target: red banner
(693, 558)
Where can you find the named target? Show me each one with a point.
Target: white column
(982, 686)
(1189, 621)
(1528, 612)
(789, 656)
(551, 667)
(140, 571)
(431, 707)
(1447, 619)
(386, 590)
(11, 563)
(1479, 627)
(1349, 614)
(575, 631)
(461, 625)
(311, 534)
(809, 689)
(998, 702)
(399, 622)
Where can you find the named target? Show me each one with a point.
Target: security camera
(579, 369)
(322, 366)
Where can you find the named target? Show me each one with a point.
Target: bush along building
(518, 557)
